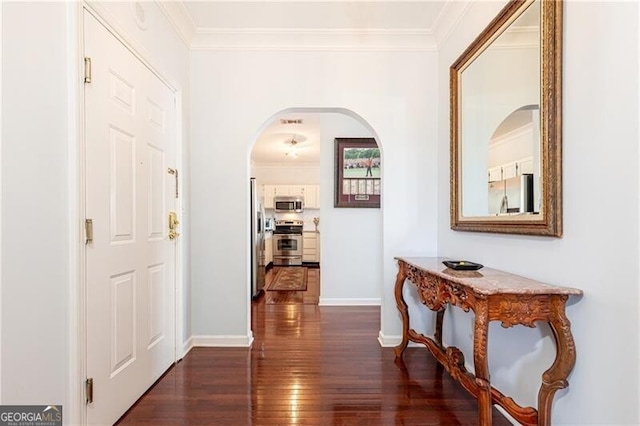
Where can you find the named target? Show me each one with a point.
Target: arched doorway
(350, 239)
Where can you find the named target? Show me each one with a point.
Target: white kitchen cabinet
(510, 170)
(526, 166)
(269, 193)
(288, 190)
(296, 190)
(281, 190)
(311, 195)
(311, 246)
(495, 174)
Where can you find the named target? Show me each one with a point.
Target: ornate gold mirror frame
(547, 218)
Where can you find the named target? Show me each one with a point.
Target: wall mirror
(506, 106)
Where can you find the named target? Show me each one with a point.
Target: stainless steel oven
(287, 243)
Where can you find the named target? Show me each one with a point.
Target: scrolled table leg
(481, 365)
(402, 308)
(556, 376)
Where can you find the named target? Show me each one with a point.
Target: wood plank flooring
(309, 365)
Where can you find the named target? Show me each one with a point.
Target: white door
(130, 145)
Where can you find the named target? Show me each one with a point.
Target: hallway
(310, 365)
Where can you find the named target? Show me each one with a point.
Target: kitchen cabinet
(287, 190)
(311, 246)
(311, 194)
(295, 190)
(269, 192)
(510, 170)
(526, 166)
(495, 174)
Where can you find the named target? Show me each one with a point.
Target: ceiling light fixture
(293, 149)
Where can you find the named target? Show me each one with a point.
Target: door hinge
(87, 70)
(88, 389)
(88, 230)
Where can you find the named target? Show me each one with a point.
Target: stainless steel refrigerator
(511, 196)
(257, 242)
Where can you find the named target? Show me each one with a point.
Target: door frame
(76, 409)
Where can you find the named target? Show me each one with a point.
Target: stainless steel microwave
(291, 204)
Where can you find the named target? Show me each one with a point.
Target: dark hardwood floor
(309, 365)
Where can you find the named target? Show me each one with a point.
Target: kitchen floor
(310, 296)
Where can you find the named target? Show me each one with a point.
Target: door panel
(123, 185)
(130, 265)
(156, 193)
(156, 304)
(123, 322)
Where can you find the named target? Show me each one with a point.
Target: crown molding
(179, 18)
(449, 18)
(296, 39)
(512, 135)
(314, 39)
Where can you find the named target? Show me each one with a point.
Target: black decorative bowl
(462, 265)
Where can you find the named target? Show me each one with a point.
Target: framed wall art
(357, 173)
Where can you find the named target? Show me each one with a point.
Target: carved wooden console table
(493, 296)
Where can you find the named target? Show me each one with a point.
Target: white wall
(351, 239)
(39, 280)
(35, 235)
(599, 250)
(394, 92)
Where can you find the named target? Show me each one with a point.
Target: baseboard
(186, 347)
(388, 341)
(394, 340)
(222, 341)
(349, 302)
(506, 415)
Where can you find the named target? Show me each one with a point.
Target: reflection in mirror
(499, 81)
(505, 145)
(514, 164)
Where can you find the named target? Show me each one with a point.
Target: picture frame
(358, 168)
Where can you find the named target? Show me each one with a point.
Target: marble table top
(486, 280)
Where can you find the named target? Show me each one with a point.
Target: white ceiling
(322, 15)
(274, 143)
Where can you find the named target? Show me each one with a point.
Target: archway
(350, 239)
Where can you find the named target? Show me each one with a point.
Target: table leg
(402, 308)
(481, 365)
(439, 320)
(556, 376)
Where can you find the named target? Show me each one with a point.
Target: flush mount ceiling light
(292, 150)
